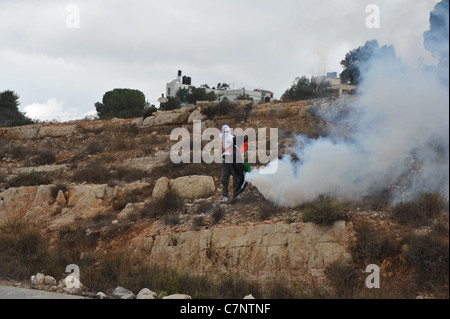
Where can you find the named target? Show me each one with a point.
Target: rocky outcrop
(171, 117)
(187, 187)
(34, 203)
(148, 163)
(39, 205)
(36, 169)
(300, 251)
(56, 131)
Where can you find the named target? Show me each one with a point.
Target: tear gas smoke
(394, 134)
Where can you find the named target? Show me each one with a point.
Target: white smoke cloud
(395, 133)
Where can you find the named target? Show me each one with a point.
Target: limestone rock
(148, 163)
(60, 198)
(49, 281)
(161, 187)
(27, 132)
(164, 118)
(302, 250)
(123, 293)
(196, 115)
(146, 293)
(56, 131)
(193, 187)
(100, 295)
(38, 279)
(129, 209)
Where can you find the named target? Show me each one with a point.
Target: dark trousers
(237, 171)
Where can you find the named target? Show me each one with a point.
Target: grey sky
(59, 72)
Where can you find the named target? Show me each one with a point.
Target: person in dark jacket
(232, 164)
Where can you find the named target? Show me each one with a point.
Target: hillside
(106, 196)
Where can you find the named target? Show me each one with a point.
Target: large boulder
(193, 187)
(161, 188)
(169, 117)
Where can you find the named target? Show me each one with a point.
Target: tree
(9, 110)
(358, 58)
(122, 103)
(182, 93)
(171, 104)
(199, 94)
(304, 89)
(223, 86)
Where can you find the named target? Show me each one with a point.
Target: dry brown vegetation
(409, 240)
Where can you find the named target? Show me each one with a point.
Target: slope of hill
(106, 196)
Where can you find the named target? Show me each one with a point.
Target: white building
(181, 82)
(335, 82)
(184, 82)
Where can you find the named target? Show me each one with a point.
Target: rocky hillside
(95, 189)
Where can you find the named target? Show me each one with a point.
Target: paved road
(7, 292)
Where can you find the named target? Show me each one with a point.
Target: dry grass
(417, 212)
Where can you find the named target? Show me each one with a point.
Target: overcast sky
(60, 69)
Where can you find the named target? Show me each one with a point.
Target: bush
(119, 204)
(324, 211)
(170, 204)
(23, 251)
(267, 210)
(343, 279)
(373, 246)
(149, 111)
(31, 179)
(198, 221)
(94, 147)
(92, 173)
(213, 110)
(44, 157)
(428, 258)
(418, 211)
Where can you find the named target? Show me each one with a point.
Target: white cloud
(53, 109)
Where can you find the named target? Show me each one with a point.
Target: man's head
(226, 129)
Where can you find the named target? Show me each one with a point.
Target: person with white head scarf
(232, 164)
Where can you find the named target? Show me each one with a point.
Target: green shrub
(237, 111)
(324, 211)
(149, 111)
